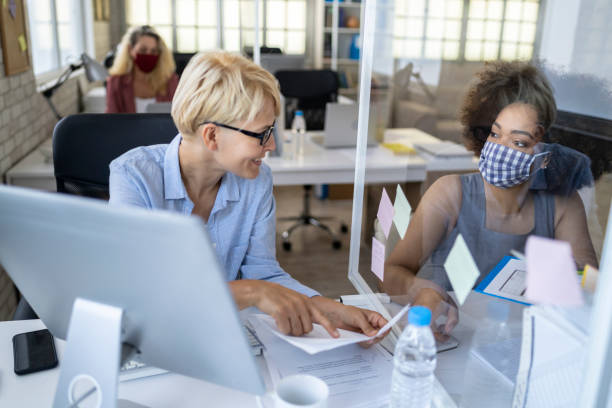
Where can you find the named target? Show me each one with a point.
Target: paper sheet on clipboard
(508, 280)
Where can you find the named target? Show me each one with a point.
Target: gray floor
(313, 261)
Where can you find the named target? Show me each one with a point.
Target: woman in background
(142, 73)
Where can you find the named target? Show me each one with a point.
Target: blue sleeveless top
(488, 247)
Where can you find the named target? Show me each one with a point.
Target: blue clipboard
(489, 278)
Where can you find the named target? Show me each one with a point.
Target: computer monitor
(279, 62)
(102, 276)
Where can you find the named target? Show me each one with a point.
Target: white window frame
(220, 26)
(84, 26)
(465, 19)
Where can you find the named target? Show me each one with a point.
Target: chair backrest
(309, 91)
(85, 144)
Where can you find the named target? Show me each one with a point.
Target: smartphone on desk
(34, 351)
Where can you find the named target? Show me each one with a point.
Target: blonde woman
(224, 108)
(142, 73)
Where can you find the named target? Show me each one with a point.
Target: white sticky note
(461, 269)
(551, 273)
(378, 258)
(402, 208)
(385, 213)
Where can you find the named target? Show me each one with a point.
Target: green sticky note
(402, 209)
(23, 45)
(461, 269)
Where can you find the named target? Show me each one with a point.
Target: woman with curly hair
(142, 73)
(506, 115)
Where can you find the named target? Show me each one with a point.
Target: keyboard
(133, 369)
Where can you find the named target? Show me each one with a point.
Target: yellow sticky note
(589, 278)
(3, 3)
(461, 269)
(402, 208)
(22, 43)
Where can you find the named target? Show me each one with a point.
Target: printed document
(319, 339)
(357, 377)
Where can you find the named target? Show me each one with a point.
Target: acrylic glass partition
(431, 89)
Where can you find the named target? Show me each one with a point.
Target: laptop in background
(159, 107)
(341, 125)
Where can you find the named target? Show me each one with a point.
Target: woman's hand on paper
(352, 318)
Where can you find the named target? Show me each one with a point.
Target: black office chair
(309, 91)
(83, 147)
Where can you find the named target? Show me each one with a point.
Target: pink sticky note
(378, 258)
(551, 273)
(385, 213)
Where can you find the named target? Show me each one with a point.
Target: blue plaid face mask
(505, 167)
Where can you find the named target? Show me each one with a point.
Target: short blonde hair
(123, 64)
(221, 87)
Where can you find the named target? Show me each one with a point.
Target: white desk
(171, 390)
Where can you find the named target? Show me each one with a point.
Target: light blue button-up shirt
(241, 224)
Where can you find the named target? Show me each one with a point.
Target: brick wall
(25, 121)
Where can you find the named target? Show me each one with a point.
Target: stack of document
(443, 149)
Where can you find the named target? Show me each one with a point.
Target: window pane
(495, 10)
(231, 40)
(276, 14)
(473, 50)
(475, 30)
(207, 39)
(492, 30)
(413, 48)
(247, 14)
(136, 12)
(436, 8)
(451, 50)
(490, 50)
(43, 50)
(276, 38)
(478, 9)
(524, 51)
(296, 42)
(185, 39)
(207, 13)
(452, 30)
(433, 49)
(231, 14)
(68, 51)
(435, 28)
(400, 27)
(62, 10)
(415, 28)
(398, 48)
(416, 7)
(530, 11)
(528, 31)
(513, 10)
(508, 51)
(454, 9)
(511, 31)
(42, 11)
(296, 15)
(185, 15)
(166, 34)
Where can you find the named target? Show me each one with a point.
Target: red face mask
(146, 62)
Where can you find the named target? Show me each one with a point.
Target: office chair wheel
(336, 244)
(343, 228)
(287, 246)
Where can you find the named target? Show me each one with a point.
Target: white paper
(510, 282)
(319, 339)
(357, 377)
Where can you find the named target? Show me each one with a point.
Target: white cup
(303, 391)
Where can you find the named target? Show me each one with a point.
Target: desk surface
(318, 166)
(169, 390)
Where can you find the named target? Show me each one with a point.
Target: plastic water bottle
(494, 345)
(298, 130)
(414, 362)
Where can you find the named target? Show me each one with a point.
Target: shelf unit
(334, 39)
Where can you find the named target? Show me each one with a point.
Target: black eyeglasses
(263, 137)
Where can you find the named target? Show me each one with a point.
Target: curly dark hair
(499, 84)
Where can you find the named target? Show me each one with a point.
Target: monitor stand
(89, 370)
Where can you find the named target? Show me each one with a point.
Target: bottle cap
(299, 113)
(419, 316)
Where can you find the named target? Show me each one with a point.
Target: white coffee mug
(301, 391)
